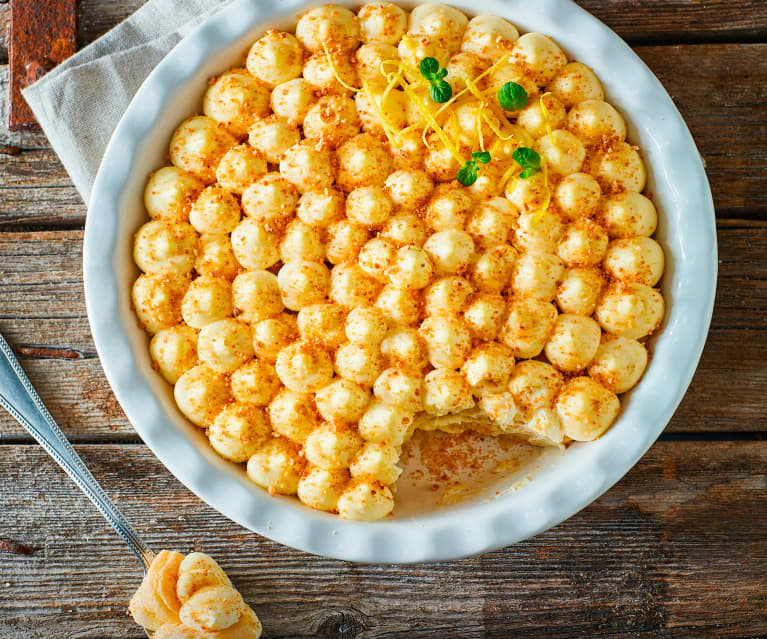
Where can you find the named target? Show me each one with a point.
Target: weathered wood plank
(43, 316)
(725, 109)
(5, 31)
(45, 206)
(42, 277)
(36, 189)
(26, 139)
(727, 392)
(79, 397)
(647, 21)
(635, 21)
(681, 20)
(726, 395)
(656, 556)
(720, 93)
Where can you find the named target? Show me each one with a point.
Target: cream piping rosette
(387, 221)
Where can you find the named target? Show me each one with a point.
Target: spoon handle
(21, 400)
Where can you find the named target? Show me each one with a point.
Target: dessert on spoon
(180, 597)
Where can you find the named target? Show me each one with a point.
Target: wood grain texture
(645, 21)
(680, 20)
(726, 395)
(43, 317)
(720, 92)
(730, 128)
(25, 139)
(5, 31)
(676, 549)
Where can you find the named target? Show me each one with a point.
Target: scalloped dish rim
(561, 488)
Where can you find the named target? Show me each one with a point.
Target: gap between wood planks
(699, 436)
(731, 216)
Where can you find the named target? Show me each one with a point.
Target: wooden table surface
(678, 548)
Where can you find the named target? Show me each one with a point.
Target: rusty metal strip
(42, 34)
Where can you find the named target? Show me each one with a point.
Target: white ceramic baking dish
(563, 484)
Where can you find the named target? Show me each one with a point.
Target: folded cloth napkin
(79, 103)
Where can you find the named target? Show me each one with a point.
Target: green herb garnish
(469, 172)
(512, 96)
(529, 160)
(439, 90)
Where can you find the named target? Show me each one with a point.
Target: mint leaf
(429, 67)
(512, 96)
(481, 156)
(529, 160)
(468, 173)
(440, 91)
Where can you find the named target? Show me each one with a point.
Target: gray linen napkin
(79, 103)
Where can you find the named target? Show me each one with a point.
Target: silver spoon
(21, 400)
